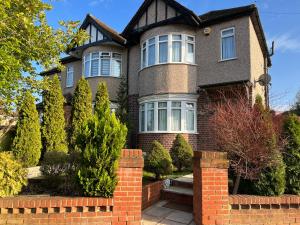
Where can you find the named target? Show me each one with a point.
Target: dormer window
(102, 64)
(171, 48)
(228, 50)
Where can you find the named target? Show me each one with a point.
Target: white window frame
(184, 49)
(111, 57)
(184, 99)
(221, 43)
(70, 73)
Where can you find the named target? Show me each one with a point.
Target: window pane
(105, 67)
(190, 53)
(95, 67)
(227, 32)
(151, 41)
(228, 47)
(144, 58)
(176, 104)
(162, 119)
(95, 55)
(176, 119)
(163, 52)
(116, 67)
(151, 56)
(176, 49)
(189, 38)
(190, 119)
(176, 37)
(163, 38)
(69, 78)
(162, 105)
(87, 68)
(142, 119)
(150, 116)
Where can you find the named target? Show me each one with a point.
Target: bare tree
(247, 134)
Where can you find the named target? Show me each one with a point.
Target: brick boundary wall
(166, 139)
(264, 210)
(151, 193)
(213, 205)
(124, 208)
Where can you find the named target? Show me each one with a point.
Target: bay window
(102, 64)
(170, 48)
(228, 50)
(168, 115)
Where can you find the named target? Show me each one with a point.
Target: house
(175, 63)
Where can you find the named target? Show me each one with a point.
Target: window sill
(169, 132)
(169, 63)
(69, 86)
(105, 76)
(225, 60)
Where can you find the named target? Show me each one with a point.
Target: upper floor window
(228, 49)
(168, 116)
(70, 76)
(102, 64)
(171, 48)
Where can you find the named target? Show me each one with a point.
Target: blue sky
(280, 19)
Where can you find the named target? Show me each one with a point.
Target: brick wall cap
(264, 200)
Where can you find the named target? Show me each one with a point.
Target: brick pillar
(128, 193)
(211, 198)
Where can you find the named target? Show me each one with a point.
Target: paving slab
(169, 222)
(159, 212)
(180, 217)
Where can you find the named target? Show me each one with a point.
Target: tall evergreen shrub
(292, 154)
(53, 129)
(159, 160)
(181, 153)
(81, 109)
(27, 143)
(101, 141)
(271, 181)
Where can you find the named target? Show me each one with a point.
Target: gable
(95, 34)
(158, 12)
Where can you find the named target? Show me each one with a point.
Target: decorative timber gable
(100, 32)
(155, 13)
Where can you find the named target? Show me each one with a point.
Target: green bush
(292, 154)
(54, 163)
(101, 141)
(271, 181)
(6, 139)
(81, 110)
(12, 175)
(159, 160)
(53, 129)
(27, 143)
(181, 153)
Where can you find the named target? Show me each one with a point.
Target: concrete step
(182, 182)
(179, 195)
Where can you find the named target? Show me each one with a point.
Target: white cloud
(95, 2)
(286, 42)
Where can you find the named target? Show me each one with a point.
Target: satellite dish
(264, 79)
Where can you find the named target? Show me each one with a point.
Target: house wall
(257, 63)
(208, 54)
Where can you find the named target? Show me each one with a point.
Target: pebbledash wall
(213, 205)
(124, 208)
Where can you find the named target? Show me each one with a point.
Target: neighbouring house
(175, 63)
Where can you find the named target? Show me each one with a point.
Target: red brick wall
(213, 205)
(210, 201)
(123, 208)
(145, 140)
(264, 210)
(151, 193)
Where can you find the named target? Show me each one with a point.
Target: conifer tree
(292, 154)
(122, 111)
(81, 109)
(181, 153)
(27, 143)
(101, 141)
(271, 181)
(53, 130)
